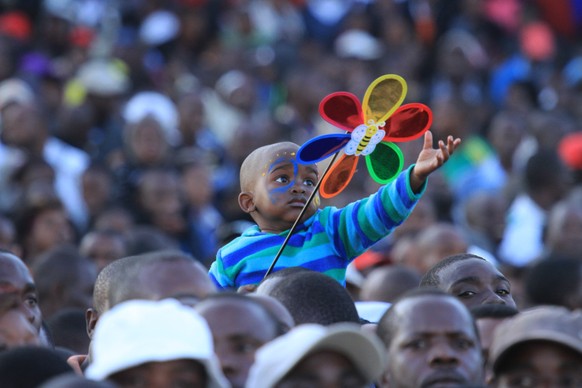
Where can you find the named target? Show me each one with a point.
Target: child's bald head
(259, 160)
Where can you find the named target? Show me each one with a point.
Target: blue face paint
(273, 193)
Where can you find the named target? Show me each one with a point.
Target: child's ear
(246, 201)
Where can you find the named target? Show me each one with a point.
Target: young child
(274, 189)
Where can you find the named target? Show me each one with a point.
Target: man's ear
(246, 202)
(91, 318)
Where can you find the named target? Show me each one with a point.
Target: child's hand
(430, 159)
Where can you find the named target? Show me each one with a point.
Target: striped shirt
(326, 242)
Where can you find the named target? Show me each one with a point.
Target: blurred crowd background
(124, 123)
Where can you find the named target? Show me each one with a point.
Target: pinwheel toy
(372, 128)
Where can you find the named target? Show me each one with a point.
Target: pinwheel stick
(303, 210)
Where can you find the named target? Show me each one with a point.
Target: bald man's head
(159, 275)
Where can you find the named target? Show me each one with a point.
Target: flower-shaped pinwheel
(371, 127)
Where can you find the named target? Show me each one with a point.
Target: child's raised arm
(430, 159)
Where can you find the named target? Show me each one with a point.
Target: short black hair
(542, 169)
(387, 323)
(30, 366)
(284, 272)
(432, 279)
(552, 280)
(313, 297)
(493, 311)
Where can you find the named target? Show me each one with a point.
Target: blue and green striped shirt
(326, 242)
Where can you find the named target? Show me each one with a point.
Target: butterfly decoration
(372, 128)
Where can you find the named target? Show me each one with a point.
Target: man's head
(387, 283)
(23, 126)
(312, 297)
(18, 290)
(161, 200)
(485, 215)
(111, 274)
(470, 278)
(64, 279)
(159, 275)
(153, 276)
(274, 187)
(103, 246)
(545, 178)
(431, 339)
(314, 355)
(239, 325)
(563, 233)
(154, 344)
(437, 241)
(538, 347)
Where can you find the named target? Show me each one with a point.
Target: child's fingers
(427, 140)
(443, 156)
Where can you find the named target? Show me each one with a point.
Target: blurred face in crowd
(50, 228)
(197, 185)
(540, 364)
(160, 196)
(20, 125)
(475, 282)
(324, 368)
(17, 287)
(147, 141)
(434, 344)
(96, 190)
(102, 248)
(238, 328)
(175, 373)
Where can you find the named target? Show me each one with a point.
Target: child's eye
(308, 182)
(502, 292)
(282, 179)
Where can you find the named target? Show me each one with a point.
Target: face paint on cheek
(316, 201)
(276, 193)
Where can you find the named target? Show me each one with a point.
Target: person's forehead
(235, 316)
(433, 314)
(13, 271)
(278, 155)
(468, 268)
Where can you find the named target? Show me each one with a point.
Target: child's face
(281, 190)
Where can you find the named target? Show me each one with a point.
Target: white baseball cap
(15, 90)
(276, 358)
(157, 105)
(140, 331)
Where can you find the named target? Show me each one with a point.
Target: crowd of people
(146, 148)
